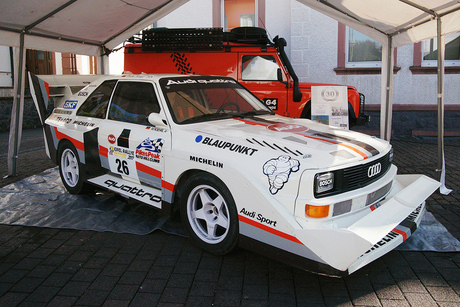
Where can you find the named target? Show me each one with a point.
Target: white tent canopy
(396, 23)
(90, 27)
(81, 27)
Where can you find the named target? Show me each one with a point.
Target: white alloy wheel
(207, 213)
(69, 168)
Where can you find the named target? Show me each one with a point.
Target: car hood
(318, 145)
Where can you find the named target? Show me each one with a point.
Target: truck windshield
(205, 98)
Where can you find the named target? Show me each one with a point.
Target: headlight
(324, 182)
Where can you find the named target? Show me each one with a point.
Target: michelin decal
(278, 171)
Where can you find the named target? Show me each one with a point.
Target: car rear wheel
(209, 214)
(70, 170)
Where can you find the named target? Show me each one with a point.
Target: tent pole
(387, 99)
(16, 112)
(441, 160)
(441, 48)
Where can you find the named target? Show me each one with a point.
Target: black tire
(209, 214)
(70, 169)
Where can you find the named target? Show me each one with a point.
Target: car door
(259, 74)
(133, 146)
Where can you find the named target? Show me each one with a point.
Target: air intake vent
(276, 147)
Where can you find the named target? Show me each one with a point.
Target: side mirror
(157, 120)
(279, 75)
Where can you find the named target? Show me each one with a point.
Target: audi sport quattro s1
(319, 198)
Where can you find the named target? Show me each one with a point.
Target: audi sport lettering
(240, 175)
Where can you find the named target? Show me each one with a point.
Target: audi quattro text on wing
(323, 199)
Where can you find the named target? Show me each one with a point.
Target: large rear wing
(63, 86)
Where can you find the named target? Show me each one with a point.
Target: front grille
(356, 177)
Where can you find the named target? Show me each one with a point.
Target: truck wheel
(209, 214)
(70, 170)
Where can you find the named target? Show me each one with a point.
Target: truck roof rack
(191, 39)
(162, 39)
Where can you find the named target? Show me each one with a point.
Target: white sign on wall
(329, 105)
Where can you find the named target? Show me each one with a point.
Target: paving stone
(149, 299)
(364, 298)
(74, 288)
(43, 294)
(27, 284)
(174, 295)
(444, 294)
(227, 298)
(411, 285)
(420, 299)
(388, 292)
(180, 281)
(103, 282)
(12, 298)
(123, 292)
(255, 292)
(63, 301)
(93, 297)
(153, 285)
(132, 278)
(57, 279)
(394, 303)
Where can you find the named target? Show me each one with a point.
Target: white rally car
(319, 198)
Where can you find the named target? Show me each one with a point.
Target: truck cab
(245, 54)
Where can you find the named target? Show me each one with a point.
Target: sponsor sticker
(150, 150)
(112, 139)
(278, 171)
(233, 147)
(259, 217)
(207, 161)
(272, 103)
(287, 128)
(70, 104)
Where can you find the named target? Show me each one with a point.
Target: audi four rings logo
(374, 170)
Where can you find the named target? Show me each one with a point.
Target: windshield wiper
(252, 113)
(206, 117)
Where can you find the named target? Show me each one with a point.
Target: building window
(452, 53)
(358, 54)
(230, 14)
(361, 50)
(426, 56)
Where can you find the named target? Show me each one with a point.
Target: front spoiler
(348, 249)
(339, 251)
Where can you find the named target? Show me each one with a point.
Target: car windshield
(205, 98)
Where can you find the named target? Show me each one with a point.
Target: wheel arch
(180, 182)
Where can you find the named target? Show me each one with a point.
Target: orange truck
(245, 54)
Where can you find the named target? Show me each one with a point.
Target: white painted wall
(193, 14)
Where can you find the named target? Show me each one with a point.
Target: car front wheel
(209, 214)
